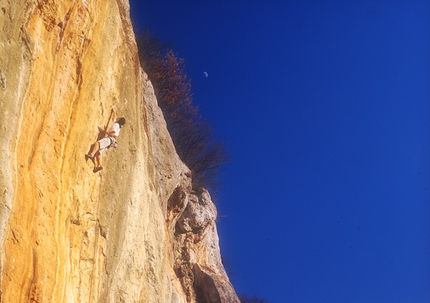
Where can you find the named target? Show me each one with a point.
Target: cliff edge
(135, 232)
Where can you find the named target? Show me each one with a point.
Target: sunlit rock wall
(126, 234)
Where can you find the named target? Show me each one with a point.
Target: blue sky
(324, 107)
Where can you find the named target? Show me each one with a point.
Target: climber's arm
(114, 114)
(103, 131)
(110, 134)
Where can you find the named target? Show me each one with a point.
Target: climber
(108, 140)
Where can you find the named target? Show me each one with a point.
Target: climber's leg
(94, 150)
(98, 162)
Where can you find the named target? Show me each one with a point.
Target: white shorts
(104, 144)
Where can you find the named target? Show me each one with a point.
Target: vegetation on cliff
(253, 299)
(191, 134)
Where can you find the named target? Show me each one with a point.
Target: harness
(112, 139)
(113, 142)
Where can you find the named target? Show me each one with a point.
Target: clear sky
(324, 107)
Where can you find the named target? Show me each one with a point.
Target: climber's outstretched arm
(115, 116)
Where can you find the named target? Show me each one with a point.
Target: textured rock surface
(137, 231)
(197, 260)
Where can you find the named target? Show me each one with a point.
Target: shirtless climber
(109, 139)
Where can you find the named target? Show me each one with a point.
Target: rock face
(135, 232)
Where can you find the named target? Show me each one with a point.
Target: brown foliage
(253, 299)
(191, 135)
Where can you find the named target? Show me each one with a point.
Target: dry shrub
(253, 299)
(191, 134)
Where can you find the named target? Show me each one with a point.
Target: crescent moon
(206, 74)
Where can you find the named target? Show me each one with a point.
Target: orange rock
(67, 234)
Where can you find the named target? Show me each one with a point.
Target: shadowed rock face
(126, 234)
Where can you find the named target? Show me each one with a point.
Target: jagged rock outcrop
(197, 260)
(135, 232)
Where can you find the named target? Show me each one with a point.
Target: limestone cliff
(135, 232)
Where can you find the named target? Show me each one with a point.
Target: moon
(206, 74)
